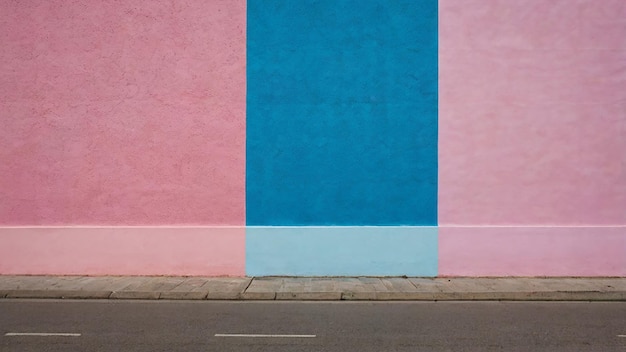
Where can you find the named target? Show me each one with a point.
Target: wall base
(532, 251)
(198, 251)
(315, 251)
(341, 251)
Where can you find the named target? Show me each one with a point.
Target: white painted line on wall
(264, 335)
(66, 334)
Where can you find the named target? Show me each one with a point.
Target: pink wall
(532, 118)
(122, 113)
(117, 114)
(532, 112)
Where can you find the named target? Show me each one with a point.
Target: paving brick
(28, 282)
(373, 284)
(111, 283)
(427, 284)
(265, 285)
(466, 285)
(396, 284)
(154, 284)
(192, 284)
(613, 284)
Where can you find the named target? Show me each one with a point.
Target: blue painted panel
(341, 251)
(341, 112)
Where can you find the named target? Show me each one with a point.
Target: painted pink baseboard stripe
(532, 251)
(210, 251)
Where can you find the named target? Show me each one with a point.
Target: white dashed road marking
(264, 335)
(66, 334)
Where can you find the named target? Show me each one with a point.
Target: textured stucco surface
(342, 112)
(532, 251)
(532, 112)
(122, 113)
(508, 131)
(118, 250)
(341, 250)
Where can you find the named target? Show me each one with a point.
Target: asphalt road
(110, 325)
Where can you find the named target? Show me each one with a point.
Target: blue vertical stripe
(341, 112)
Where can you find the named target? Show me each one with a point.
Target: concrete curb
(222, 296)
(358, 296)
(183, 295)
(308, 296)
(59, 294)
(259, 296)
(135, 295)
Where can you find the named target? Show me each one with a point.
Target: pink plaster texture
(532, 118)
(532, 251)
(197, 251)
(121, 113)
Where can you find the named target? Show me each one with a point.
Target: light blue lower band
(341, 251)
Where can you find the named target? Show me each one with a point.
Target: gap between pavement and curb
(314, 288)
